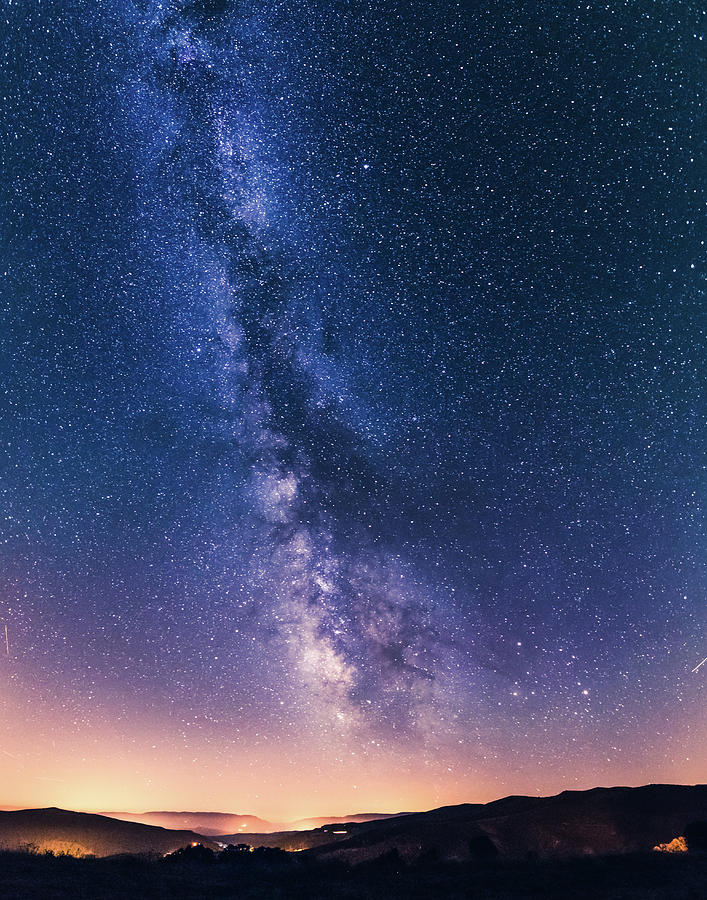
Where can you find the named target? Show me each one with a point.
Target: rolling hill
(573, 823)
(84, 834)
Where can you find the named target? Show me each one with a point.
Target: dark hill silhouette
(83, 834)
(573, 823)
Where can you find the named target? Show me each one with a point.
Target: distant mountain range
(209, 823)
(573, 823)
(215, 823)
(84, 834)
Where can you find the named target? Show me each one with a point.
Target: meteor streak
(699, 665)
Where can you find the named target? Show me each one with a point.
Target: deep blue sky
(352, 377)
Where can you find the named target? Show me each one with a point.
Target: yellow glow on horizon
(97, 763)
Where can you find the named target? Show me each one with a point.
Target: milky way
(360, 637)
(352, 361)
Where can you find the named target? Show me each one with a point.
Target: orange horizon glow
(101, 760)
(417, 801)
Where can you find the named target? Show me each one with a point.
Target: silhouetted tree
(235, 853)
(197, 853)
(271, 855)
(236, 848)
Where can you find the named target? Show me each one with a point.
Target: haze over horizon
(313, 821)
(352, 431)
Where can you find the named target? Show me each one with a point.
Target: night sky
(352, 435)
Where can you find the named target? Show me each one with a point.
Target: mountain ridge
(61, 831)
(597, 821)
(216, 823)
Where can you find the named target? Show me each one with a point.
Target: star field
(352, 449)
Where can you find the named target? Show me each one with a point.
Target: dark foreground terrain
(275, 875)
